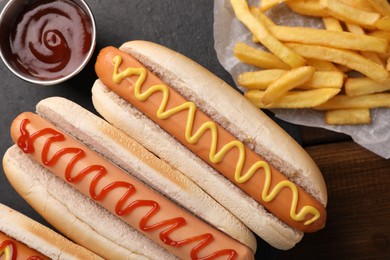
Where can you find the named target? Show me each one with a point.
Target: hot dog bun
(33, 239)
(80, 218)
(235, 114)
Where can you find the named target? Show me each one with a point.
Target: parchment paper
(228, 31)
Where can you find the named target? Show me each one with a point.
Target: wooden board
(358, 181)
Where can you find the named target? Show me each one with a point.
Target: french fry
(364, 86)
(268, 4)
(384, 35)
(294, 99)
(262, 17)
(354, 28)
(359, 4)
(349, 13)
(381, 6)
(358, 30)
(343, 40)
(259, 79)
(308, 7)
(388, 64)
(261, 33)
(374, 57)
(353, 116)
(324, 79)
(343, 68)
(349, 59)
(322, 65)
(290, 80)
(315, 75)
(332, 24)
(365, 101)
(256, 57)
(383, 23)
(263, 78)
(380, 34)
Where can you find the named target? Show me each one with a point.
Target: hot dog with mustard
(208, 130)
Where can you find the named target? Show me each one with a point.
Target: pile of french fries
(342, 69)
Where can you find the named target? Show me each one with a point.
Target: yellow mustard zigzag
(7, 251)
(214, 156)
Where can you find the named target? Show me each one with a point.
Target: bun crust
(39, 237)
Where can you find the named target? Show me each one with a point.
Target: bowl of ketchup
(46, 41)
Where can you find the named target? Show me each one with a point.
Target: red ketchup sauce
(167, 227)
(12, 246)
(50, 39)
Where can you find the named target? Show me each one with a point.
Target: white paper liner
(228, 31)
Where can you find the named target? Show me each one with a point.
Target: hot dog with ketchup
(24, 238)
(208, 130)
(129, 200)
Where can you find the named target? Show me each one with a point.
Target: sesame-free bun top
(39, 237)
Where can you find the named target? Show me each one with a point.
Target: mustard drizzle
(214, 156)
(7, 251)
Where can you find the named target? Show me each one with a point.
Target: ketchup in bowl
(50, 40)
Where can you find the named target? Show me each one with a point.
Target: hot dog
(24, 238)
(209, 132)
(175, 232)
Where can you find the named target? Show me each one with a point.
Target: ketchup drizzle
(25, 143)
